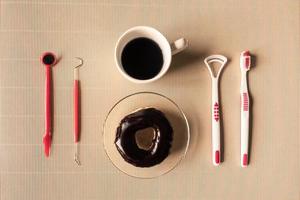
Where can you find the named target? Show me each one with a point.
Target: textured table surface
(89, 29)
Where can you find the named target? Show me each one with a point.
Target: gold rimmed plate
(176, 117)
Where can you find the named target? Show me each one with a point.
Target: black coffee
(142, 58)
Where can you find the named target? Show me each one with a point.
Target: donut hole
(144, 138)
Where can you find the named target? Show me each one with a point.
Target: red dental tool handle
(76, 111)
(47, 136)
(48, 59)
(48, 100)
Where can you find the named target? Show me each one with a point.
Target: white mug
(148, 32)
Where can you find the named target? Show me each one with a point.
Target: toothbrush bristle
(246, 53)
(246, 60)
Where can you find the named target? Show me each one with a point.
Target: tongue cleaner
(215, 106)
(48, 59)
(245, 62)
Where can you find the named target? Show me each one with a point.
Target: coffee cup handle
(179, 45)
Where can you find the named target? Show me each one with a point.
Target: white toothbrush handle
(245, 105)
(216, 152)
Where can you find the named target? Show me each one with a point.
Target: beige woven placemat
(89, 29)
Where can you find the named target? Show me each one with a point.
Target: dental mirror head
(48, 58)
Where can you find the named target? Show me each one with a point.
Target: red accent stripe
(217, 157)
(216, 111)
(245, 102)
(245, 159)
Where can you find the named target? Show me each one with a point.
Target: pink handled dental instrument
(77, 110)
(49, 60)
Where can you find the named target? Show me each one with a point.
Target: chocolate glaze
(126, 143)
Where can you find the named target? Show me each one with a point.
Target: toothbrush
(245, 62)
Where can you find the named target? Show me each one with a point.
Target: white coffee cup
(168, 49)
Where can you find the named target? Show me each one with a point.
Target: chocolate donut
(160, 145)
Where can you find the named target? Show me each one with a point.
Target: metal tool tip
(76, 159)
(81, 62)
